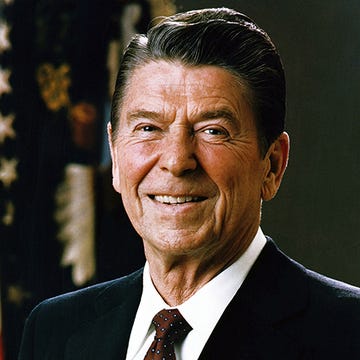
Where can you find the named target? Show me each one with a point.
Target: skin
(187, 163)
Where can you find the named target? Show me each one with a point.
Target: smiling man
(194, 173)
(198, 143)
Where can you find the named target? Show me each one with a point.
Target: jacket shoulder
(328, 322)
(53, 321)
(78, 300)
(336, 302)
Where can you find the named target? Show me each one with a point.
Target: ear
(114, 158)
(277, 159)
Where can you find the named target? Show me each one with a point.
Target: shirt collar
(205, 301)
(227, 283)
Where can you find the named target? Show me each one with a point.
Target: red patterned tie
(170, 328)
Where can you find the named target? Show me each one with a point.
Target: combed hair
(221, 37)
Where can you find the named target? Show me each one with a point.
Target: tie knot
(170, 325)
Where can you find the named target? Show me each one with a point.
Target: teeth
(174, 199)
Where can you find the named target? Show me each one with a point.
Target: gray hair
(221, 37)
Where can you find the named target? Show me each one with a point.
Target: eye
(213, 134)
(147, 131)
(216, 131)
(148, 128)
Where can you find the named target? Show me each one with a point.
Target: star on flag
(4, 37)
(8, 173)
(8, 217)
(5, 87)
(6, 127)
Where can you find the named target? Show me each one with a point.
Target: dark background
(315, 216)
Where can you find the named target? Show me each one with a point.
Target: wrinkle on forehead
(188, 86)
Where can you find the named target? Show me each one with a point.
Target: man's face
(187, 163)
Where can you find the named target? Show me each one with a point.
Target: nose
(178, 153)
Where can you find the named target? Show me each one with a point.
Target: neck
(178, 278)
(178, 275)
(177, 282)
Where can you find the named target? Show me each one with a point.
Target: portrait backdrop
(315, 216)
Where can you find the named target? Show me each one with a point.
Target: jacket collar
(276, 286)
(106, 334)
(274, 292)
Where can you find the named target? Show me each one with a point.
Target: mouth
(176, 200)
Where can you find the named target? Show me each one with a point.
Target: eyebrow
(146, 114)
(216, 114)
(205, 115)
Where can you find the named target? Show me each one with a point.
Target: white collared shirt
(202, 311)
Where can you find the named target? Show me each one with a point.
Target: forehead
(161, 81)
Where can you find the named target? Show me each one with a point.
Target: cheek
(221, 165)
(237, 174)
(135, 162)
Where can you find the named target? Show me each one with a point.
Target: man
(197, 141)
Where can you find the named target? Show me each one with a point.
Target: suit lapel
(106, 335)
(274, 292)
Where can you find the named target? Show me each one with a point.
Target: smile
(166, 199)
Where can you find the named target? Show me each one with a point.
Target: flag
(2, 352)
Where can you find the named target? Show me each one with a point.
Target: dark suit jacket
(282, 311)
